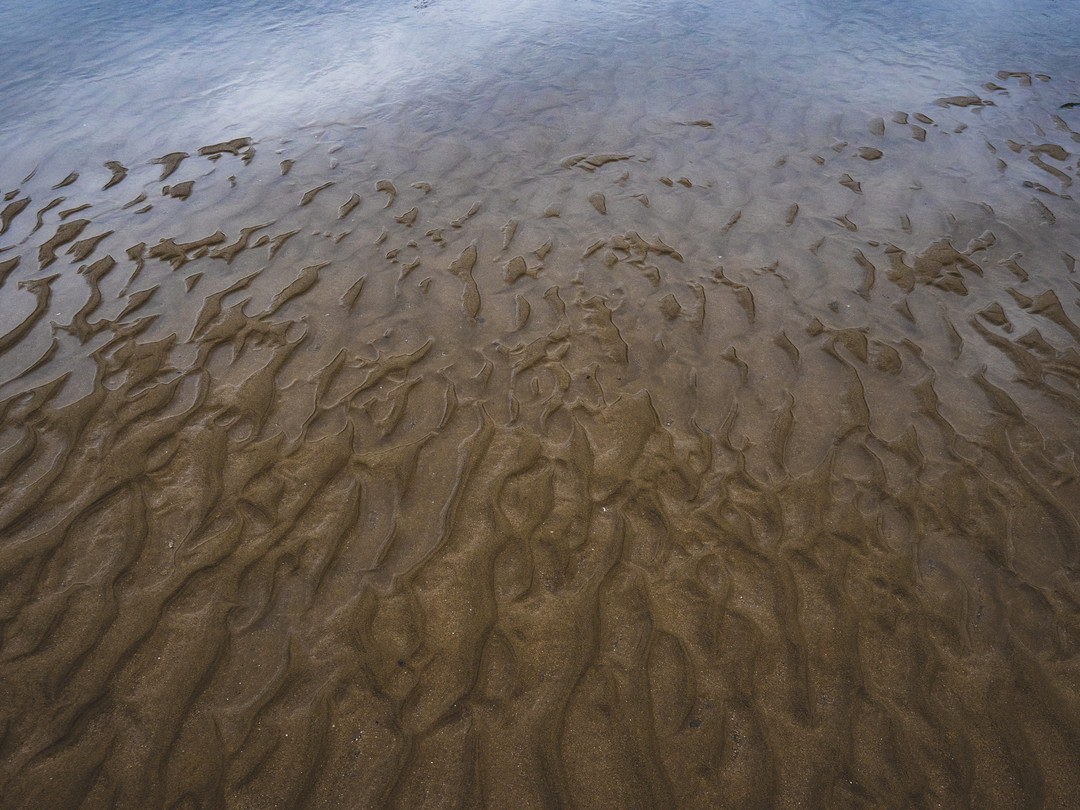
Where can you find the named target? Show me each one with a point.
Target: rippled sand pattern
(662, 475)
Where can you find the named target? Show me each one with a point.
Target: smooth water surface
(130, 78)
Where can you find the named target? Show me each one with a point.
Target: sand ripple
(623, 479)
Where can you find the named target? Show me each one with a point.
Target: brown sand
(637, 478)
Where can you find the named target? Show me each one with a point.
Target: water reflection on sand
(555, 405)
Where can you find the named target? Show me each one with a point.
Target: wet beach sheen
(461, 404)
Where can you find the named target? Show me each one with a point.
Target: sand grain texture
(670, 506)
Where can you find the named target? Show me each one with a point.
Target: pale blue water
(133, 79)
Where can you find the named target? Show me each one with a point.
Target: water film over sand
(696, 467)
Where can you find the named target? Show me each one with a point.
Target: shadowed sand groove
(666, 474)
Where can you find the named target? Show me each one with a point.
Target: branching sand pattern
(629, 484)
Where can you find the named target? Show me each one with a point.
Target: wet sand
(377, 468)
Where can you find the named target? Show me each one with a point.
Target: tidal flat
(574, 405)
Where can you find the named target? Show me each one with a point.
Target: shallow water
(593, 404)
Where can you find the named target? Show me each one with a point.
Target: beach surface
(560, 432)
